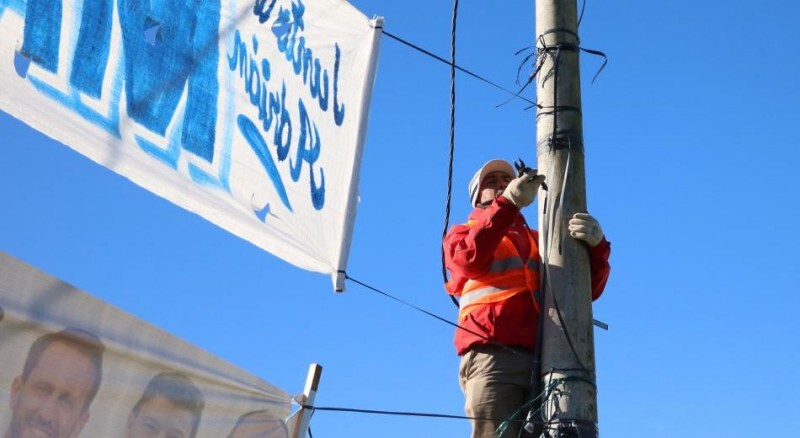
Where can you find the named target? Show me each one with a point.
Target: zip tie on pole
(540, 52)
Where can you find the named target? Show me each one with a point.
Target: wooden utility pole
(567, 342)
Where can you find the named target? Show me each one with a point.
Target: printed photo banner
(74, 366)
(250, 113)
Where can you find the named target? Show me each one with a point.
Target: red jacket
(468, 254)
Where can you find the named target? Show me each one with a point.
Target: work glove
(585, 227)
(522, 190)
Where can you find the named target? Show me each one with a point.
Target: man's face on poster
(52, 401)
(160, 417)
(259, 425)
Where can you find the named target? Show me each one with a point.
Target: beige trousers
(496, 383)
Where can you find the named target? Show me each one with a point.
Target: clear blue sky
(691, 160)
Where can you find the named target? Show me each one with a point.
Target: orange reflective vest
(509, 274)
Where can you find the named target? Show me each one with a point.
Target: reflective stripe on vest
(484, 293)
(512, 263)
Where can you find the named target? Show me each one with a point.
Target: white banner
(73, 366)
(251, 114)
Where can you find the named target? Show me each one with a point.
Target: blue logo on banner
(170, 52)
(155, 73)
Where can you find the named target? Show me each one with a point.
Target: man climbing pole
(493, 261)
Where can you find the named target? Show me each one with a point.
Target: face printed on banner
(170, 407)
(161, 418)
(53, 400)
(259, 424)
